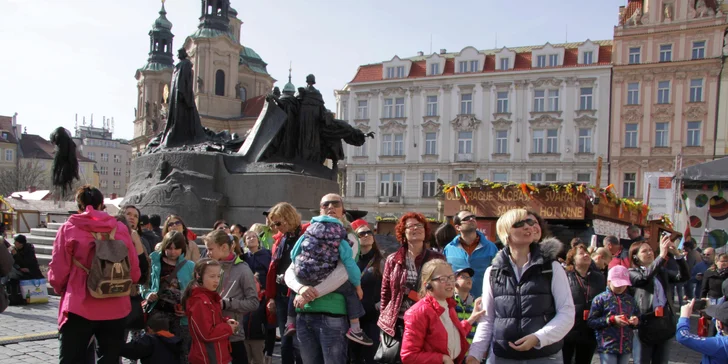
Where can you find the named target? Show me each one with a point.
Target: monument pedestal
(204, 187)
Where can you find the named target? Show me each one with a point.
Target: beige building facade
(112, 157)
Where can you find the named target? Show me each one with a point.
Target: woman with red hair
(401, 277)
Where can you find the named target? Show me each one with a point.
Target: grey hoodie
(238, 293)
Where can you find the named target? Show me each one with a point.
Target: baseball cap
(619, 276)
(465, 270)
(718, 312)
(143, 220)
(356, 224)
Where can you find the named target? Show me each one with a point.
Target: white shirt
(453, 335)
(553, 331)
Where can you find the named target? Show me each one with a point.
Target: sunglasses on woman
(174, 223)
(522, 223)
(365, 233)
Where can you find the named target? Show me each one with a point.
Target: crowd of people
(135, 287)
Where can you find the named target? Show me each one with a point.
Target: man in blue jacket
(470, 249)
(714, 349)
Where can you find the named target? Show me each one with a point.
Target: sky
(63, 58)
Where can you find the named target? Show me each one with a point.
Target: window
(429, 184)
(502, 103)
(501, 142)
(117, 158)
(388, 111)
(361, 151)
(104, 184)
(430, 143)
(541, 61)
(585, 140)
(465, 177)
(465, 142)
(500, 177)
(661, 134)
(398, 144)
(104, 157)
(504, 63)
(553, 100)
(104, 170)
(630, 185)
(634, 55)
(390, 72)
(8, 155)
(362, 109)
(583, 177)
(585, 99)
(399, 107)
(663, 92)
(386, 144)
(474, 66)
(633, 93)
(117, 171)
(220, 83)
(434, 69)
(463, 66)
(390, 185)
(693, 134)
(344, 110)
(549, 177)
(539, 97)
(539, 137)
(536, 177)
(466, 104)
(552, 141)
(588, 57)
(360, 184)
(699, 49)
(431, 105)
(630, 136)
(400, 72)
(696, 90)
(553, 60)
(117, 185)
(666, 53)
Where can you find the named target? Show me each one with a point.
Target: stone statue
(237, 90)
(332, 134)
(183, 122)
(668, 12)
(276, 92)
(146, 108)
(702, 9)
(311, 117)
(200, 85)
(635, 18)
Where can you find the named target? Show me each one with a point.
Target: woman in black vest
(650, 281)
(526, 296)
(586, 282)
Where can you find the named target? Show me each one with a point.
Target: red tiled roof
(253, 106)
(373, 72)
(34, 146)
(632, 6)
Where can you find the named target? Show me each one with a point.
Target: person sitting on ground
(157, 346)
(26, 263)
(715, 348)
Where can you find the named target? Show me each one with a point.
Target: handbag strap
(419, 270)
(177, 267)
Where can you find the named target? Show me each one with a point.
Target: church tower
(150, 112)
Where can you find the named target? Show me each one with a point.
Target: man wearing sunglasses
(470, 249)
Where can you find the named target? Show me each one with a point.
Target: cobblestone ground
(28, 335)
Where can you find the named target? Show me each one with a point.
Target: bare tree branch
(29, 173)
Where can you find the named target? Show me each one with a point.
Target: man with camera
(714, 349)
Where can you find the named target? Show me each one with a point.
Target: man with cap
(714, 349)
(470, 249)
(149, 238)
(465, 301)
(26, 263)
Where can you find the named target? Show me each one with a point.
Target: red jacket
(209, 330)
(425, 337)
(394, 289)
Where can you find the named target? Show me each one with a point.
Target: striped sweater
(464, 309)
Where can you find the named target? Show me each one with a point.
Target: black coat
(25, 258)
(643, 285)
(583, 290)
(713, 284)
(152, 349)
(371, 285)
(255, 323)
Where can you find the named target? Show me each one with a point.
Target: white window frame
(465, 176)
(629, 185)
(399, 144)
(588, 57)
(466, 106)
(665, 52)
(633, 95)
(502, 102)
(497, 176)
(430, 143)
(698, 51)
(387, 144)
(585, 140)
(693, 134)
(663, 93)
(505, 63)
(117, 158)
(434, 69)
(117, 185)
(9, 155)
(361, 151)
(104, 170)
(662, 131)
(539, 100)
(631, 136)
(501, 142)
(552, 141)
(580, 179)
(586, 98)
(388, 108)
(553, 60)
(553, 96)
(104, 157)
(401, 72)
(362, 110)
(696, 90)
(465, 142)
(390, 72)
(463, 66)
(117, 171)
(432, 105)
(541, 61)
(399, 107)
(536, 177)
(538, 141)
(474, 66)
(429, 184)
(360, 184)
(635, 56)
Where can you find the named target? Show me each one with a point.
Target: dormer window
(588, 53)
(473, 66)
(395, 72)
(390, 72)
(400, 71)
(553, 60)
(588, 57)
(541, 61)
(463, 66)
(504, 64)
(469, 60)
(434, 69)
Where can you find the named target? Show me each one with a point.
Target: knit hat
(358, 224)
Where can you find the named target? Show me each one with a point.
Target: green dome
(232, 12)
(162, 23)
(289, 87)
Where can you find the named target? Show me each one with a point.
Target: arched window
(220, 83)
(243, 93)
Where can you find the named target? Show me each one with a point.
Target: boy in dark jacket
(157, 346)
(613, 315)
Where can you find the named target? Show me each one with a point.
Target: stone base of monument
(204, 187)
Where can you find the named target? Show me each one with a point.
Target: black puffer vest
(522, 307)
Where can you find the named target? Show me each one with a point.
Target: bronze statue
(183, 122)
(311, 117)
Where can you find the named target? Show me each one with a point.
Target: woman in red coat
(432, 332)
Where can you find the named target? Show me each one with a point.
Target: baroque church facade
(231, 80)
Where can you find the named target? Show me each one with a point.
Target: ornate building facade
(231, 79)
(667, 61)
(112, 156)
(528, 114)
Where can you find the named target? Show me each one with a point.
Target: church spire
(160, 40)
(289, 87)
(215, 15)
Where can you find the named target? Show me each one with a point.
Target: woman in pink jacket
(81, 316)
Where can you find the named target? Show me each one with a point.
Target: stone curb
(6, 340)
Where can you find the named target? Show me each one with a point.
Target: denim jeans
(289, 355)
(650, 354)
(613, 358)
(322, 338)
(556, 358)
(354, 308)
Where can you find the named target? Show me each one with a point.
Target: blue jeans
(614, 358)
(288, 352)
(322, 338)
(556, 358)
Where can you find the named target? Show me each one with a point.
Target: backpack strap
(177, 267)
(109, 236)
(78, 264)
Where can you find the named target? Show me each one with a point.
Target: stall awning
(716, 170)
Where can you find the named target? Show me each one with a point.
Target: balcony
(391, 199)
(463, 157)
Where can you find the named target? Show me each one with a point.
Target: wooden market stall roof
(42, 206)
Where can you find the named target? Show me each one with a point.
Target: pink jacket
(74, 239)
(425, 337)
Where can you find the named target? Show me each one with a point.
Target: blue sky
(63, 58)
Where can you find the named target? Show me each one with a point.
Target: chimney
(443, 50)
(32, 189)
(420, 53)
(114, 196)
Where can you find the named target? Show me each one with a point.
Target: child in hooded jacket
(614, 315)
(210, 331)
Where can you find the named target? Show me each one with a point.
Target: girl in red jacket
(432, 332)
(209, 330)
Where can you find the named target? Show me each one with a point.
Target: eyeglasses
(467, 218)
(522, 223)
(174, 223)
(222, 227)
(414, 227)
(365, 233)
(465, 278)
(335, 204)
(276, 224)
(445, 279)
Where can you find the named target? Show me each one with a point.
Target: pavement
(28, 334)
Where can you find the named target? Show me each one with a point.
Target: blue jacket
(611, 338)
(479, 261)
(714, 349)
(184, 276)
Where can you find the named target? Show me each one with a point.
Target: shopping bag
(34, 290)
